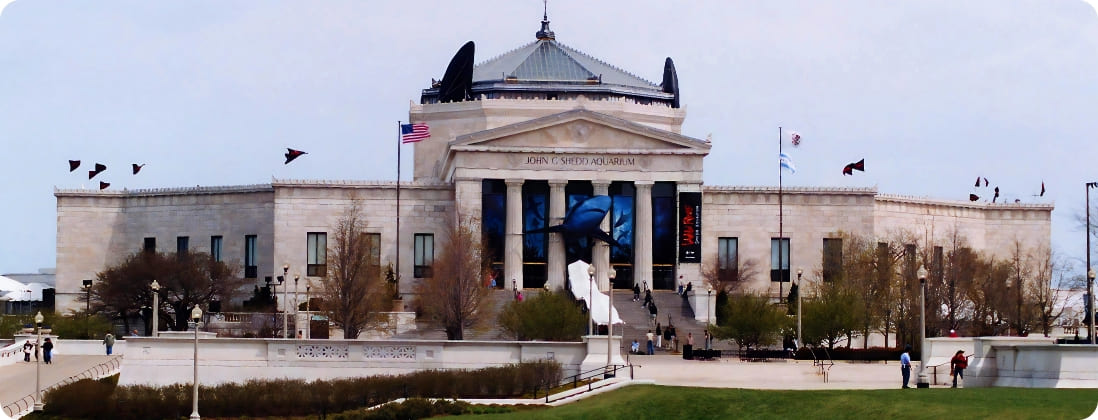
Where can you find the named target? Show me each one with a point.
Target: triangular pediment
(579, 129)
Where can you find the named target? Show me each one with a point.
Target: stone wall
(98, 229)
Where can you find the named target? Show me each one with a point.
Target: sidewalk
(19, 379)
(778, 374)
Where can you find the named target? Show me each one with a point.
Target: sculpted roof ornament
(545, 32)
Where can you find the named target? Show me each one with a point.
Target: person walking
(905, 364)
(647, 298)
(47, 351)
(652, 310)
(651, 350)
(108, 340)
(957, 367)
(659, 336)
(636, 292)
(28, 347)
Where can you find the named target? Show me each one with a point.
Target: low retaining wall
(164, 361)
(1027, 362)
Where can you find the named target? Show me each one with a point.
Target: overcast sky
(931, 94)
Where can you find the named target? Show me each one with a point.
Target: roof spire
(545, 33)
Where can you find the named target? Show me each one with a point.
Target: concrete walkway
(19, 378)
(779, 374)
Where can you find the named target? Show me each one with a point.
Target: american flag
(411, 133)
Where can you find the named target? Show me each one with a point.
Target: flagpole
(781, 223)
(396, 270)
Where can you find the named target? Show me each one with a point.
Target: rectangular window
(779, 259)
(150, 245)
(910, 269)
(316, 244)
(832, 259)
(424, 255)
(250, 267)
(728, 259)
(215, 248)
(182, 244)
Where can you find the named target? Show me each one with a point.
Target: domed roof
(548, 67)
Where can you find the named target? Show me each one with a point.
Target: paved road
(19, 379)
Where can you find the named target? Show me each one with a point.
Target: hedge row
(103, 399)
(866, 355)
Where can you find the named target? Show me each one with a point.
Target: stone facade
(536, 146)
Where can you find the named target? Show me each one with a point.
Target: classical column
(556, 258)
(600, 251)
(642, 251)
(512, 255)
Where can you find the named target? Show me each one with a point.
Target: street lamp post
(38, 403)
(297, 276)
(285, 325)
(1090, 303)
(708, 304)
(800, 291)
(923, 382)
(610, 322)
(87, 311)
(196, 315)
(590, 296)
(308, 315)
(1090, 270)
(155, 286)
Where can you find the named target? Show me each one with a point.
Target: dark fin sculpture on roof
(456, 83)
(973, 197)
(104, 185)
(671, 81)
(137, 168)
(292, 154)
(99, 167)
(73, 164)
(854, 166)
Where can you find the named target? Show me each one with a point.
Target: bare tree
(454, 294)
(1044, 291)
(353, 291)
(731, 279)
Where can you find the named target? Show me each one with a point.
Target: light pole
(155, 286)
(308, 315)
(196, 315)
(708, 302)
(923, 380)
(87, 311)
(1090, 269)
(799, 293)
(590, 295)
(610, 322)
(285, 272)
(38, 403)
(1090, 303)
(297, 276)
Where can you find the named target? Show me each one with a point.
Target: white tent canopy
(15, 291)
(581, 289)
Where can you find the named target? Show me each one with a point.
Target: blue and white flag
(786, 162)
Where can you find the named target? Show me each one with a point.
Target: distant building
(531, 133)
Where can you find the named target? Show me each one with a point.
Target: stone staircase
(637, 319)
(671, 308)
(488, 330)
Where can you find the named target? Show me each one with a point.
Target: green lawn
(665, 402)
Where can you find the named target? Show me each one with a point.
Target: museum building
(515, 143)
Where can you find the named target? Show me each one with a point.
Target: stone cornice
(789, 190)
(578, 151)
(965, 204)
(325, 183)
(580, 114)
(152, 192)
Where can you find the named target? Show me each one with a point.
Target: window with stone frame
(424, 255)
(728, 259)
(779, 259)
(316, 258)
(149, 245)
(832, 259)
(215, 247)
(251, 269)
(182, 244)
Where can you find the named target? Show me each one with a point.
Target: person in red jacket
(957, 365)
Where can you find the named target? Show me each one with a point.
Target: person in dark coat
(47, 351)
(652, 310)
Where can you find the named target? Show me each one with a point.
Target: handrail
(23, 405)
(609, 370)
